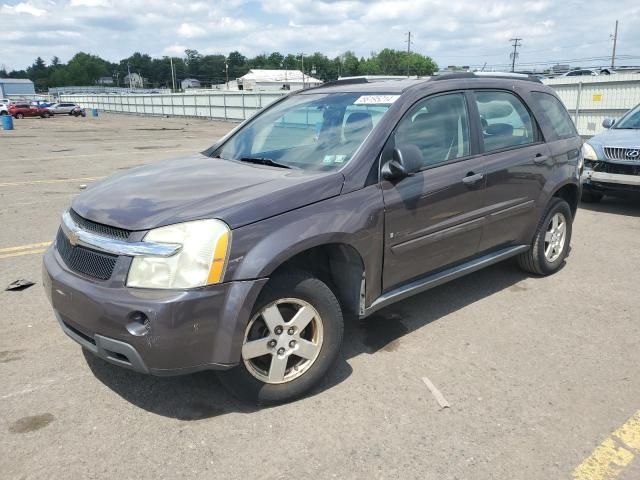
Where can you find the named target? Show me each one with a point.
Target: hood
(614, 137)
(198, 187)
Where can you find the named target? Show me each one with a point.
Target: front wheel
(291, 340)
(46, 115)
(19, 115)
(551, 241)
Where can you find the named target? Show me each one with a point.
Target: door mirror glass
(608, 122)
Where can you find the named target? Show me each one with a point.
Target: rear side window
(506, 123)
(554, 115)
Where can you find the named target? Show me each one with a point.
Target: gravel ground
(537, 371)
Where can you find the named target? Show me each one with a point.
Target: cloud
(190, 30)
(462, 32)
(26, 8)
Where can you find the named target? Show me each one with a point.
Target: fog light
(139, 324)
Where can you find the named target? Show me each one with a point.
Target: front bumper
(610, 182)
(180, 331)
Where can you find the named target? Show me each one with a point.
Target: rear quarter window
(554, 115)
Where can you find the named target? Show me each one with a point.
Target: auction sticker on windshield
(376, 99)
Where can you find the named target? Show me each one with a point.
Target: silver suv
(612, 158)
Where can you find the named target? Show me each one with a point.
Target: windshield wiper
(263, 161)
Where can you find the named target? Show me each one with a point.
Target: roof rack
(515, 76)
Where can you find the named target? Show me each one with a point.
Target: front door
(434, 218)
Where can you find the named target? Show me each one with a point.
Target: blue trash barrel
(94, 112)
(7, 122)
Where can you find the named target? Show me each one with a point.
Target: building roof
(279, 76)
(15, 80)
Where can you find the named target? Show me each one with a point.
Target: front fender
(355, 219)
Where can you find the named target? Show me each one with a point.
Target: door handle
(472, 178)
(540, 159)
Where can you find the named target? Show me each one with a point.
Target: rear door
(517, 162)
(434, 217)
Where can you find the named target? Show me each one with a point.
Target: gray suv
(339, 199)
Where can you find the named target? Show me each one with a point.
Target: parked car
(343, 198)
(62, 108)
(4, 110)
(21, 110)
(5, 101)
(612, 159)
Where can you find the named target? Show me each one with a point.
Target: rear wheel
(589, 196)
(551, 241)
(291, 340)
(3, 113)
(46, 115)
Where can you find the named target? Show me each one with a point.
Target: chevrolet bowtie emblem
(73, 238)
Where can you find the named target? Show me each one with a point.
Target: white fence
(220, 105)
(588, 99)
(591, 99)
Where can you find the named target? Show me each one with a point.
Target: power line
(514, 54)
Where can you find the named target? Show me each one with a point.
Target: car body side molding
(430, 281)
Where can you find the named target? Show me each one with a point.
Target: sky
(453, 32)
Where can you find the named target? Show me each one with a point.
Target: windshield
(630, 120)
(319, 131)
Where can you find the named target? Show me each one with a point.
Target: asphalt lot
(538, 372)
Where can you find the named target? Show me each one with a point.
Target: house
(260, 80)
(136, 80)
(190, 83)
(16, 86)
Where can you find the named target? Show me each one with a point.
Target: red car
(21, 110)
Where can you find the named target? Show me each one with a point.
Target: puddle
(31, 424)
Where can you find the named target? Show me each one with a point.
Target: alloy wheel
(555, 237)
(282, 341)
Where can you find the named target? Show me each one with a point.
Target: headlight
(201, 260)
(588, 152)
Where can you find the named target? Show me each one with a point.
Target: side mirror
(405, 162)
(608, 122)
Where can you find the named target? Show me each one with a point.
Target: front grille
(617, 168)
(84, 260)
(629, 154)
(98, 228)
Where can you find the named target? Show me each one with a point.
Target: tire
(589, 196)
(323, 333)
(540, 259)
(45, 115)
(3, 113)
(19, 115)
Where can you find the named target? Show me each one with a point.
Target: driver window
(439, 127)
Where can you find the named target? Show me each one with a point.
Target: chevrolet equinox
(343, 198)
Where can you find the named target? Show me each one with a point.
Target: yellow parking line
(24, 247)
(53, 180)
(26, 252)
(610, 458)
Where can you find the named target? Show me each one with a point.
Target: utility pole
(226, 71)
(302, 67)
(129, 74)
(173, 75)
(514, 54)
(615, 42)
(408, 40)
